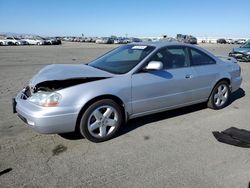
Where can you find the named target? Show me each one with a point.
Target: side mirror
(154, 65)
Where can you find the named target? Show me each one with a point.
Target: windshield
(121, 60)
(247, 45)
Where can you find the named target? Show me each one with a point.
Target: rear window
(200, 58)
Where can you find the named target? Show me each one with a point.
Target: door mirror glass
(154, 65)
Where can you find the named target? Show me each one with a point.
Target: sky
(138, 18)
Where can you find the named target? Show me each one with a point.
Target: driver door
(162, 89)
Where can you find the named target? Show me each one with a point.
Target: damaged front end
(45, 93)
(53, 85)
(240, 56)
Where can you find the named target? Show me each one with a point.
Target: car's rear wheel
(220, 95)
(101, 120)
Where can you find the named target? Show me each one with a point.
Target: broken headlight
(46, 99)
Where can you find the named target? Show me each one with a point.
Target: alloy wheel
(102, 121)
(221, 95)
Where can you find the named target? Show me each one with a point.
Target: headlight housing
(45, 99)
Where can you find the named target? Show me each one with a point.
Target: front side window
(123, 59)
(172, 57)
(200, 58)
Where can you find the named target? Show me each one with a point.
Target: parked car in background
(135, 39)
(130, 81)
(15, 41)
(48, 41)
(127, 40)
(119, 40)
(240, 41)
(221, 41)
(242, 53)
(230, 41)
(189, 39)
(94, 39)
(88, 39)
(3, 42)
(35, 40)
(170, 39)
(52, 41)
(104, 40)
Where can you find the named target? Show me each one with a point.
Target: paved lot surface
(170, 149)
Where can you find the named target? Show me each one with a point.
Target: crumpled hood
(57, 72)
(241, 50)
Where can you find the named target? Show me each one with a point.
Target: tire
(98, 127)
(220, 96)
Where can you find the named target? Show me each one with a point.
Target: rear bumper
(47, 120)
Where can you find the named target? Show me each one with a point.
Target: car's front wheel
(101, 120)
(220, 95)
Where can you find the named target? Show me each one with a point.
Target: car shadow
(138, 122)
(71, 136)
(237, 95)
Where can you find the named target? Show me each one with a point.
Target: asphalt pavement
(170, 149)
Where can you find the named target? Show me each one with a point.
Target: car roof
(160, 44)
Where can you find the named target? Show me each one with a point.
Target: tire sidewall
(83, 125)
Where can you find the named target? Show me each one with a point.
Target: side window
(172, 57)
(159, 56)
(200, 58)
(177, 57)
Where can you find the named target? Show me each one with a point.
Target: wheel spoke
(224, 90)
(223, 98)
(98, 115)
(111, 122)
(94, 126)
(108, 112)
(219, 89)
(103, 131)
(217, 102)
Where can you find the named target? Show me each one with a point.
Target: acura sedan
(130, 81)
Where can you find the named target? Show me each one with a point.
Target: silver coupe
(130, 81)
